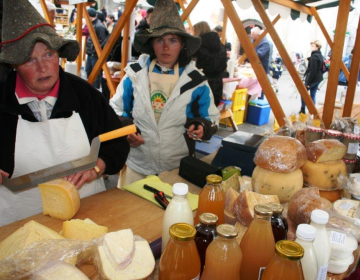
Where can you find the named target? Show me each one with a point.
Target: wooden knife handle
(117, 133)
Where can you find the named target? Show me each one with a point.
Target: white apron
(40, 145)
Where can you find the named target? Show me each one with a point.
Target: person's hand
(199, 132)
(135, 140)
(3, 173)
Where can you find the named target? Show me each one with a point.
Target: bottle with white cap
(319, 219)
(305, 235)
(178, 211)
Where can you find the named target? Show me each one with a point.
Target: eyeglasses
(49, 56)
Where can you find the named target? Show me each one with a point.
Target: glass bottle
(305, 235)
(205, 233)
(257, 238)
(322, 246)
(223, 256)
(212, 199)
(178, 211)
(278, 222)
(285, 264)
(180, 259)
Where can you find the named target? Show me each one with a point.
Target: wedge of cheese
(58, 271)
(60, 199)
(85, 230)
(119, 247)
(141, 266)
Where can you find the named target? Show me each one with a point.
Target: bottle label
(337, 238)
(322, 272)
(353, 148)
(347, 206)
(197, 277)
(261, 271)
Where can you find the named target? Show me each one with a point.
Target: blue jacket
(263, 51)
(347, 61)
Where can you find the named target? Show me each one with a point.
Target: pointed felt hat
(22, 27)
(165, 20)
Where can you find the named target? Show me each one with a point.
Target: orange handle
(117, 133)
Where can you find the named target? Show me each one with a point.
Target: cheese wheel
(280, 154)
(60, 199)
(284, 185)
(323, 174)
(325, 150)
(85, 230)
(59, 270)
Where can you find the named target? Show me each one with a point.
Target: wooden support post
(293, 5)
(225, 20)
(254, 60)
(258, 40)
(125, 49)
(79, 10)
(336, 58)
(181, 3)
(189, 9)
(46, 12)
(354, 73)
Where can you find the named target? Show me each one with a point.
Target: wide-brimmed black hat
(22, 27)
(165, 20)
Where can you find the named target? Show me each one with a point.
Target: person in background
(103, 10)
(218, 29)
(92, 57)
(47, 116)
(145, 22)
(347, 59)
(119, 13)
(100, 16)
(313, 74)
(165, 95)
(110, 23)
(275, 72)
(211, 58)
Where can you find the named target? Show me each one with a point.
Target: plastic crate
(239, 99)
(238, 118)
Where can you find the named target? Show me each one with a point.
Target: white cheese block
(141, 266)
(85, 230)
(59, 271)
(60, 199)
(347, 208)
(284, 185)
(119, 247)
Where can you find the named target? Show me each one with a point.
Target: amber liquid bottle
(205, 234)
(212, 199)
(278, 222)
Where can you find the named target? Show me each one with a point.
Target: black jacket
(211, 58)
(313, 73)
(75, 94)
(101, 33)
(143, 25)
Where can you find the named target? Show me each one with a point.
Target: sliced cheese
(141, 266)
(60, 198)
(59, 271)
(244, 205)
(229, 217)
(230, 197)
(119, 247)
(85, 230)
(347, 208)
(232, 182)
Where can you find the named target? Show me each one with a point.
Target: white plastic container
(342, 245)
(319, 219)
(340, 266)
(305, 235)
(178, 211)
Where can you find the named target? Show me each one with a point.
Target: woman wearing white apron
(47, 116)
(164, 94)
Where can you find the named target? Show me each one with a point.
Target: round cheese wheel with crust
(325, 150)
(280, 154)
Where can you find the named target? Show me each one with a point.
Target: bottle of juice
(285, 264)
(180, 259)
(178, 211)
(257, 245)
(205, 233)
(212, 199)
(278, 222)
(223, 256)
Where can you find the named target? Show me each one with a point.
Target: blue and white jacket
(166, 142)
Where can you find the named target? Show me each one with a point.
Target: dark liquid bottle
(205, 233)
(278, 222)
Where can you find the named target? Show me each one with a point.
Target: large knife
(67, 168)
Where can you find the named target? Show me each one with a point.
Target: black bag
(195, 170)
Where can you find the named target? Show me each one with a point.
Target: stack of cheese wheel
(278, 161)
(323, 167)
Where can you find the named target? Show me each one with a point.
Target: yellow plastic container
(239, 99)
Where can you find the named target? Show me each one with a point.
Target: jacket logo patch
(158, 100)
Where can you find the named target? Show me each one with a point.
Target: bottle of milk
(319, 219)
(178, 211)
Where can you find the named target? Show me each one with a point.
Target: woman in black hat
(165, 95)
(47, 116)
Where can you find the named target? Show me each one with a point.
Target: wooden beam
(254, 60)
(293, 5)
(354, 72)
(79, 17)
(125, 49)
(46, 12)
(188, 10)
(181, 3)
(225, 20)
(328, 39)
(258, 40)
(336, 58)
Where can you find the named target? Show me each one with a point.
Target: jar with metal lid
(350, 165)
(180, 259)
(212, 199)
(351, 141)
(332, 134)
(285, 264)
(313, 133)
(223, 256)
(278, 222)
(205, 234)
